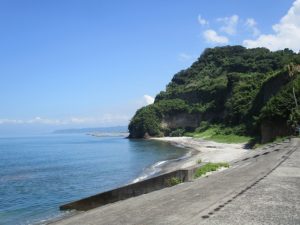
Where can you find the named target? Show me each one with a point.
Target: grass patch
(216, 134)
(231, 138)
(199, 161)
(209, 167)
(173, 181)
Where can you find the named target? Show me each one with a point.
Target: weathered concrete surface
(261, 188)
(273, 200)
(129, 191)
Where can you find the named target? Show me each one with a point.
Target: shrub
(199, 161)
(173, 181)
(178, 132)
(204, 125)
(171, 106)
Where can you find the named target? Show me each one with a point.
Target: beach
(201, 150)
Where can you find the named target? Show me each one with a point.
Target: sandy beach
(204, 150)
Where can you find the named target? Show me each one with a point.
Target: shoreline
(165, 166)
(200, 149)
(196, 149)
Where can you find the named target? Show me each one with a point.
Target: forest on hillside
(232, 87)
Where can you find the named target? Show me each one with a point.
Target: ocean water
(37, 174)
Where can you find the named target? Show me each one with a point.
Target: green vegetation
(145, 122)
(219, 134)
(199, 161)
(209, 167)
(177, 133)
(233, 88)
(283, 106)
(230, 139)
(173, 181)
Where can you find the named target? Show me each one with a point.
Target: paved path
(261, 188)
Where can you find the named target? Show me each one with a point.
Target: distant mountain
(117, 129)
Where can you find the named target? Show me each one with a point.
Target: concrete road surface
(261, 188)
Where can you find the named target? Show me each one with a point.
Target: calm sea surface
(37, 174)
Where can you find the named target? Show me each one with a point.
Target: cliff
(231, 86)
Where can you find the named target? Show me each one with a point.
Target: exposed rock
(181, 120)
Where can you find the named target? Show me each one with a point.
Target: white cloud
(286, 32)
(36, 120)
(202, 21)
(148, 99)
(252, 25)
(40, 120)
(118, 116)
(230, 24)
(103, 119)
(11, 121)
(98, 120)
(211, 36)
(81, 120)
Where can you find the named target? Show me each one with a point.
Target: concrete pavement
(261, 188)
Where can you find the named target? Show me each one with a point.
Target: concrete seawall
(131, 190)
(262, 187)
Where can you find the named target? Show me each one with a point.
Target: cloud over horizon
(102, 119)
(92, 120)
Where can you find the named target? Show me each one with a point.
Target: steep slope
(231, 86)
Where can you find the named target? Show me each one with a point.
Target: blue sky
(93, 63)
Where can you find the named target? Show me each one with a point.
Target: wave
(159, 167)
(150, 171)
(52, 218)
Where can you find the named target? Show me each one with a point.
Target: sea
(40, 173)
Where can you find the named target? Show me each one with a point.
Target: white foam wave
(152, 170)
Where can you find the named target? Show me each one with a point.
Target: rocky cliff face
(181, 120)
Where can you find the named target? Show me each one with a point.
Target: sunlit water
(37, 174)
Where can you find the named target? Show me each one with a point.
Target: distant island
(95, 130)
(231, 91)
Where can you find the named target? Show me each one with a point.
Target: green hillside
(242, 91)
